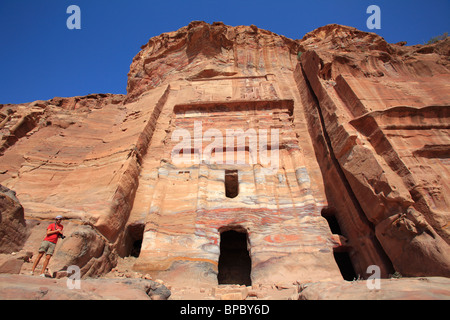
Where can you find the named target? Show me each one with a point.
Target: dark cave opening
(135, 234)
(234, 259)
(330, 215)
(345, 265)
(136, 248)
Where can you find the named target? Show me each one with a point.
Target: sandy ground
(124, 269)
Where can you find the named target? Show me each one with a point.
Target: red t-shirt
(53, 237)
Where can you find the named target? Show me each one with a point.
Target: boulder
(13, 227)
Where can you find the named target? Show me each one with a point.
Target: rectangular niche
(231, 183)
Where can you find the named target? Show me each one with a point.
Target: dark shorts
(47, 247)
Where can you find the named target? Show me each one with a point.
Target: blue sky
(40, 58)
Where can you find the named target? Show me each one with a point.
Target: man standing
(54, 231)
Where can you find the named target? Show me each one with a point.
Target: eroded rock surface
(384, 111)
(14, 287)
(13, 228)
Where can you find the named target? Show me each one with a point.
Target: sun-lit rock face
(386, 112)
(302, 155)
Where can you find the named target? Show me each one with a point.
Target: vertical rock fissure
(128, 184)
(341, 173)
(331, 151)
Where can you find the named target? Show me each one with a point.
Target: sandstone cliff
(362, 172)
(384, 113)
